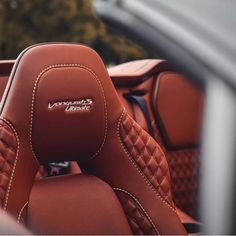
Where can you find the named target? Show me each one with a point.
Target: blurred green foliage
(26, 22)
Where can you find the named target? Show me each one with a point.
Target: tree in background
(26, 22)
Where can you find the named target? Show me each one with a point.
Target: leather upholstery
(6, 67)
(7, 158)
(83, 87)
(56, 121)
(178, 109)
(3, 83)
(91, 208)
(139, 221)
(135, 72)
(184, 162)
(148, 157)
(184, 167)
(5, 70)
(180, 104)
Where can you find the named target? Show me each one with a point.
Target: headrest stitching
(166, 203)
(34, 95)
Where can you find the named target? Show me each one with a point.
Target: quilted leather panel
(148, 156)
(138, 221)
(184, 170)
(7, 157)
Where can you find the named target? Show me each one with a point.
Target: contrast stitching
(21, 211)
(137, 167)
(15, 161)
(168, 178)
(139, 204)
(3, 141)
(34, 94)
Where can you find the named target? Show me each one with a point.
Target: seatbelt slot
(137, 97)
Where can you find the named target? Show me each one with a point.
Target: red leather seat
(44, 171)
(5, 70)
(61, 105)
(175, 109)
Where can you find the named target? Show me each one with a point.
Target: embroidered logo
(78, 105)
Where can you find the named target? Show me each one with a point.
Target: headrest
(135, 72)
(59, 99)
(178, 107)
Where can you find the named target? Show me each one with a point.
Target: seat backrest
(174, 108)
(60, 105)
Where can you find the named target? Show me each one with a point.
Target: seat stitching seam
(15, 161)
(136, 166)
(21, 211)
(140, 205)
(34, 94)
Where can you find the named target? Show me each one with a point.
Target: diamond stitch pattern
(138, 221)
(7, 157)
(148, 157)
(184, 170)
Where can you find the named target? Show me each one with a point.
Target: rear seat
(5, 70)
(170, 108)
(171, 111)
